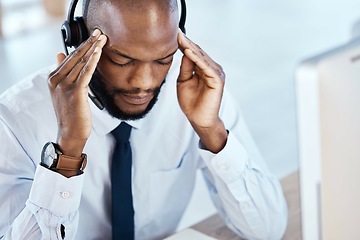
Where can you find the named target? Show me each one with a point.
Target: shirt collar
(104, 123)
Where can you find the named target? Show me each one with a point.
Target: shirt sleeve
(248, 197)
(52, 205)
(35, 203)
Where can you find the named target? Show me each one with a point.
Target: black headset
(74, 31)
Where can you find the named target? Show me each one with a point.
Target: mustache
(134, 91)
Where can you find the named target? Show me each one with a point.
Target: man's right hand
(68, 85)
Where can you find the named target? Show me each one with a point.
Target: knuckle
(82, 60)
(76, 53)
(84, 71)
(62, 83)
(222, 75)
(51, 74)
(90, 40)
(61, 87)
(220, 72)
(52, 80)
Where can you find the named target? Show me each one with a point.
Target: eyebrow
(126, 56)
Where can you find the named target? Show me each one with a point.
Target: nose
(143, 77)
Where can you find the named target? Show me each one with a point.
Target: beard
(107, 98)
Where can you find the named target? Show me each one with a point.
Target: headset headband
(74, 31)
(71, 12)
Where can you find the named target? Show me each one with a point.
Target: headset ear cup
(74, 33)
(66, 33)
(81, 29)
(70, 33)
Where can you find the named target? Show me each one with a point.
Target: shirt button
(224, 166)
(246, 205)
(65, 195)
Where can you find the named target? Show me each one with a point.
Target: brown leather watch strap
(69, 163)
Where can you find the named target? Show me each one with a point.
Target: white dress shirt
(35, 202)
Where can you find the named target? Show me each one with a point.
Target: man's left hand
(199, 89)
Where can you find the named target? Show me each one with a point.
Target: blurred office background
(258, 42)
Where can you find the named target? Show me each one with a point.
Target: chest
(164, 166)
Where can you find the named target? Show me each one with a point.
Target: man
(131, 61)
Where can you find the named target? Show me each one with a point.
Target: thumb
(60, 57)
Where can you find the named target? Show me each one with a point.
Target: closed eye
(164, 63)
(122, 64)
(132, 62)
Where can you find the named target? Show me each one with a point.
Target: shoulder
(27, 104)
(27, 92)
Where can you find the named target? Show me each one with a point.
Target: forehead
(151, 31)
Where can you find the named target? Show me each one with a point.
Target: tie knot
(122, 132)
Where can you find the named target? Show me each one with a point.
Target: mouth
(138, 99)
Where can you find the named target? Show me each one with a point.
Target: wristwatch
(53, 159)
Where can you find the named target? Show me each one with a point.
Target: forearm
(248, 197)
(34, 223)
(258, 211)
(52, 206)
(24, 226)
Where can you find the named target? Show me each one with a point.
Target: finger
(87, 71)
(180, 41)
(185, 43)
(60, 58)
(78, 53)
(75, 73)
(204, 70)
(186, 69)
(203, 58)
(201, 63)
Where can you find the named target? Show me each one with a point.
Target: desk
(215, 227)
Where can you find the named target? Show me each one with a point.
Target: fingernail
(101, 37)
(96, 32)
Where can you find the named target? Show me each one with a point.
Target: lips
(136, 99)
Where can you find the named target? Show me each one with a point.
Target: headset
(74, 31)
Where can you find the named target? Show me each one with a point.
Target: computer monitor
(328, 114)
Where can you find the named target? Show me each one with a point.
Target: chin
(132, 112)
(117, 107)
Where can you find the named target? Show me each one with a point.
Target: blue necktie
(122, 206)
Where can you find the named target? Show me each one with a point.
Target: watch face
(48, 154)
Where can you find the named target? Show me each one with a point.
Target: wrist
(213, 138)
(54, 159)
(71, 147)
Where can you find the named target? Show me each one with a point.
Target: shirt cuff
(56, 193)
(229, 163)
